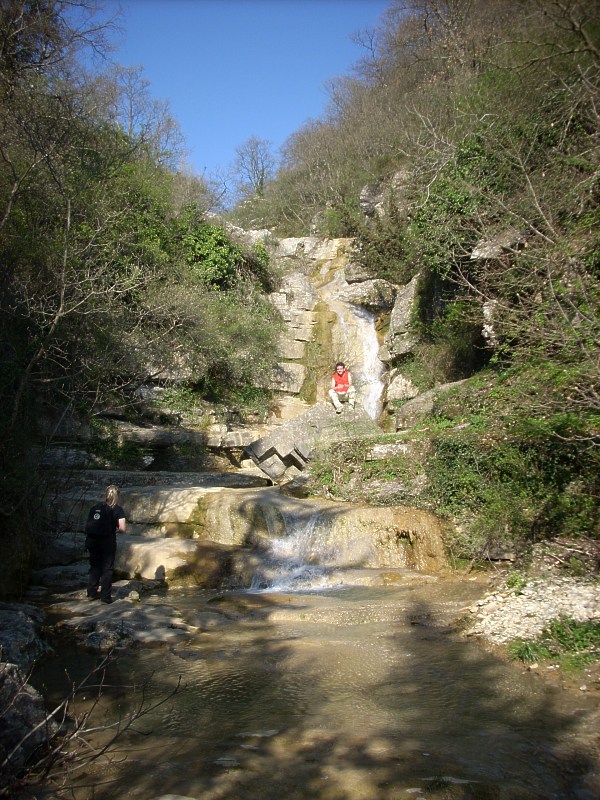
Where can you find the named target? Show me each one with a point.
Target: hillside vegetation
(483, 121)
(112, 272)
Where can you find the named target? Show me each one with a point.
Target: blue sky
(231, 69)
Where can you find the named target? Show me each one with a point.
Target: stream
(347, 693)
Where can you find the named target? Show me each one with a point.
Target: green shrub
(381, 243)
(515, 580)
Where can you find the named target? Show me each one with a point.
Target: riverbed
(345, 693)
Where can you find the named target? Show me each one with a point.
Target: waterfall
(295, 560)
(355, 342)
(368, 372)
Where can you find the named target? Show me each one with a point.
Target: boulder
(355, 273)
(20, 642)
(376, 295)
(400, 388)
(156, 559)
(399, 338)
(502, 243)
(413, 411)
(61, 576)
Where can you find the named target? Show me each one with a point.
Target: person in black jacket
(103, 549)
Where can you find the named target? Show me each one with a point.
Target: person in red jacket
(342, 389)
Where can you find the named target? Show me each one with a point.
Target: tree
(92, 257)
(254, 166)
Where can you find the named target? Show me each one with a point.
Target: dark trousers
(102, 563)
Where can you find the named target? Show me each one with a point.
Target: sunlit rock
(413, 411)
(373, 294)
(400, 388)
(400, 339)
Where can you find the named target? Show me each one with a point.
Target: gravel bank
(510, 614)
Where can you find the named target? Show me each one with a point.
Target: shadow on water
(344, 696)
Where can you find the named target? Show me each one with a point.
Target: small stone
(227, 762)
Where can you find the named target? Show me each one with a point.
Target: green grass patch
(569, 643)
(516, 580)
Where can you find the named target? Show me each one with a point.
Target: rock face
(20, 642)
(384, 537)
(295, 302)
(414, 410)
(374, 196)
(286, 450)
(399, 340)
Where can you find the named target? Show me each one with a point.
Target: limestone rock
(401, 389)
(488, 330)
(156, 435)
(61, 548)
(62, 576)
(390, 449)
(104, 627)
(503, 242)
(414, 410)
(20, 642)
(242, 519)
(166, 499)
(305, 252)
(63, 456)
(288, 377)
(392, 537)
(291, 348)
(374, 196)
(158, 559)
(296, 487)
(372, 294)
(355, 273)
(399, 338)
(290, 445)
(299, 291)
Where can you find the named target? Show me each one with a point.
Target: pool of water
(346, 694)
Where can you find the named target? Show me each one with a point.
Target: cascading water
(355, 342)
(295, 561)
(368, 373)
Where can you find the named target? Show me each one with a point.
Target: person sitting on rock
(342, 389)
